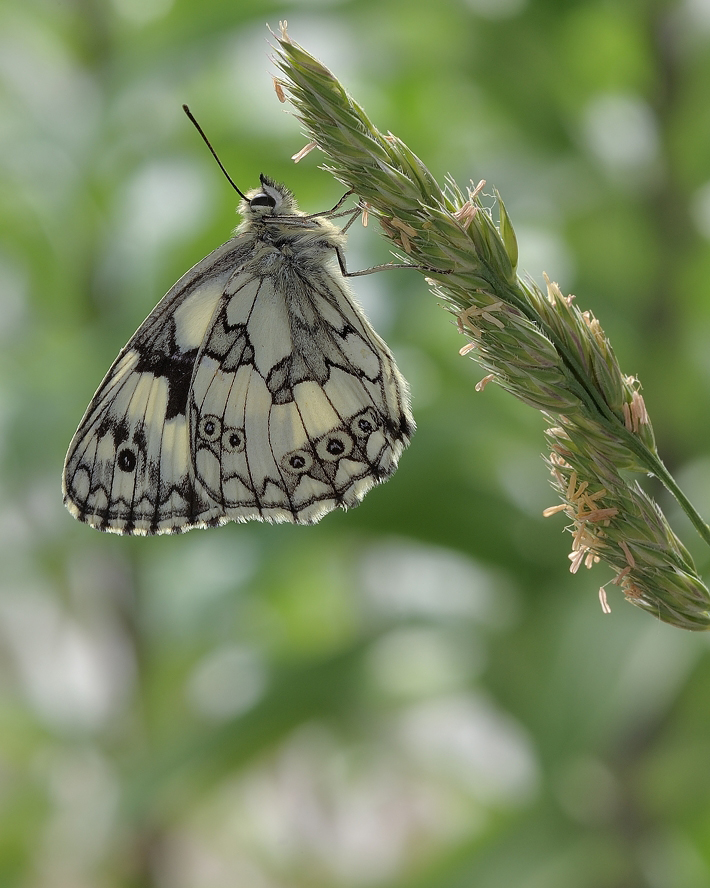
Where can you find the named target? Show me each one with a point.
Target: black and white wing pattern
(256, 389)
(128, 468)
(296, 405)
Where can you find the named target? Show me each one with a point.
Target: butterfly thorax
(283, 238)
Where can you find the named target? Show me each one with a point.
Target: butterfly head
(271, 199)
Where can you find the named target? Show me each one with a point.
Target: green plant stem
(658, 469)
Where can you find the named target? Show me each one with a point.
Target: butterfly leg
(332, 212)
(384, 266)
(353, 216)
(339, 203)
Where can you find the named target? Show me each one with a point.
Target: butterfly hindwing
(297, 406)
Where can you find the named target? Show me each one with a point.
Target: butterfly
(255, 389)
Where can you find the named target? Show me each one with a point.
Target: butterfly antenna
(214, 153)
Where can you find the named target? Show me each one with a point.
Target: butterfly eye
(210, 428)
(298, 462)
(364, 424)
(334, 445)
(262, 200)
(126, 460)
(233, 440)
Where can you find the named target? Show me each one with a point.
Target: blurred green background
(415, 693)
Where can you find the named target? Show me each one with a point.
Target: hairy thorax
(296, 248)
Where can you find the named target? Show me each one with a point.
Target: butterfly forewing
(256, 389)
(128, 467)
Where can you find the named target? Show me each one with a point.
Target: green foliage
(417, 692)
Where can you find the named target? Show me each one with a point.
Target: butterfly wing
(250, 392)
(296, 405)
(128, 468)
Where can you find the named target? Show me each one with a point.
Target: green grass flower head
(537, 345)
